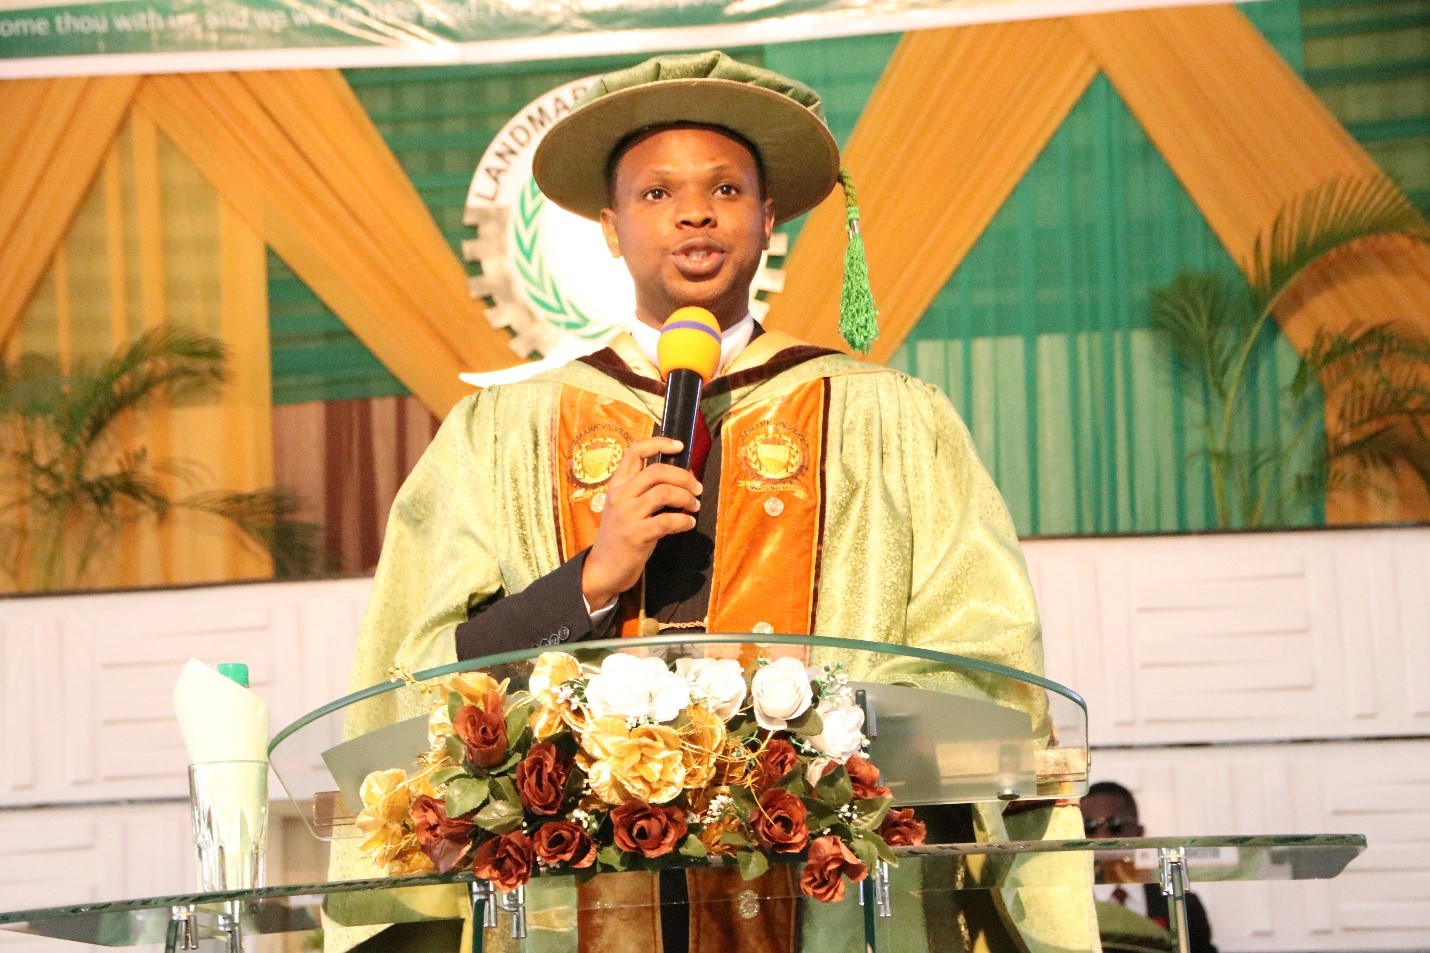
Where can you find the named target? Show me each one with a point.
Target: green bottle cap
(236, 671)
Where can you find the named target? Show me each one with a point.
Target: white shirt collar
(732, 340)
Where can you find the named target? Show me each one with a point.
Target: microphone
(689, 352)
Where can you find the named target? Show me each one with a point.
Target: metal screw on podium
(514, 903)
(181, 934)
(480, 893)
(883, 899)
(230, 924)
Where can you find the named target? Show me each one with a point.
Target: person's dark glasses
(1113, 824)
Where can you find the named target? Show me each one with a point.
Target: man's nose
(696, 211)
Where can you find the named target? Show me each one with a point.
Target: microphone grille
(690, 340)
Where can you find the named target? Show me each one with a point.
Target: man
(826, 495)
(1110, 811)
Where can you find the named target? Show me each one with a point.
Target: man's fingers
(668, 524)
(640, 451)
(664, 496)
(658, 474)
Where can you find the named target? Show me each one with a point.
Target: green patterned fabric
(1042, 337)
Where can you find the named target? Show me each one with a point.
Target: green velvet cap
(783, 119)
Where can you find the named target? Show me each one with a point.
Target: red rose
(483, 731)
(780, 822)
(901, 830)
(648, 829)
(564, 842)
(541, 779)
(865, 778)
(774, 761)
(829, 862)
(505, 860)
(445, 840)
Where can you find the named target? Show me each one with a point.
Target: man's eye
(727, 189)
(655, 194)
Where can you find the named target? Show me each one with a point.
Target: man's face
(1109, 815)
(688, 218)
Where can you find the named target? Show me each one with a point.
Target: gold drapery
(955, 121)
(55, 135)
(151, 243)
(298, 158)
(960, 113)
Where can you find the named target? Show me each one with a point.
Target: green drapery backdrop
(1041, 338)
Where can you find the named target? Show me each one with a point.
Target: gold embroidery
(595, 454)
(776, 454)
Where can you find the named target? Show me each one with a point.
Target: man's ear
(769, 209)
(608, 229)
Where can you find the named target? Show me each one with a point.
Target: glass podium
(943, 729)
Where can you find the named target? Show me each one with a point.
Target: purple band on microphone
(692, 325)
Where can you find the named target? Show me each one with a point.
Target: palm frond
(1204, 319)
(169, 361)
(271, 519)
(1321, 221)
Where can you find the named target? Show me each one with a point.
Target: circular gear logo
(545, 274)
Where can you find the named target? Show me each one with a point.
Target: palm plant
(71, 484)
(1218, 327)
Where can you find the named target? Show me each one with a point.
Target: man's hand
(635, 518)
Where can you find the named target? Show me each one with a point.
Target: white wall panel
(1241, 637)
(98, 671)
(1380, 789)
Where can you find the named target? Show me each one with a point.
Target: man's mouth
(698, 258)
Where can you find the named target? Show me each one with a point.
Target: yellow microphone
(689, 353)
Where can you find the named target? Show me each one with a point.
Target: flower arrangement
(637, 765)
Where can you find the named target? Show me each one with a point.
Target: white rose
(843, 732)
(720, 680)
(631, 687)
(781, 692)
(815, 771)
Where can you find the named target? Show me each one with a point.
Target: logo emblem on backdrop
(545, 273)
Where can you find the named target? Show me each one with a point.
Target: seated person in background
(1109, 810)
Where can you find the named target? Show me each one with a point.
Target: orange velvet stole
(592, 433)
(771, 502)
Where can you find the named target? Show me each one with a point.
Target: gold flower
(646, 765)
(386, 798)
(701, 744)
(599, 735)
(439, 729)
(475, 686)
(549, 672)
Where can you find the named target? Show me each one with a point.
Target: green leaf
(516, 722)
(454, 704)
(464, 795)
(886, 853)
(500, 817)
(456, 750)
(504, 789)
(808, 724)
(743, 801)
(866, 851)
(752, 864)
(835, 787)
(735, 839)
(742, 727)
(693, 847)
(612, 856)
(819, 816)
(444, 775)
(870, 812)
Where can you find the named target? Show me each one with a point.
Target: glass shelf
(926, 870)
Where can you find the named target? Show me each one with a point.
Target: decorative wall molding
(1241, 637)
